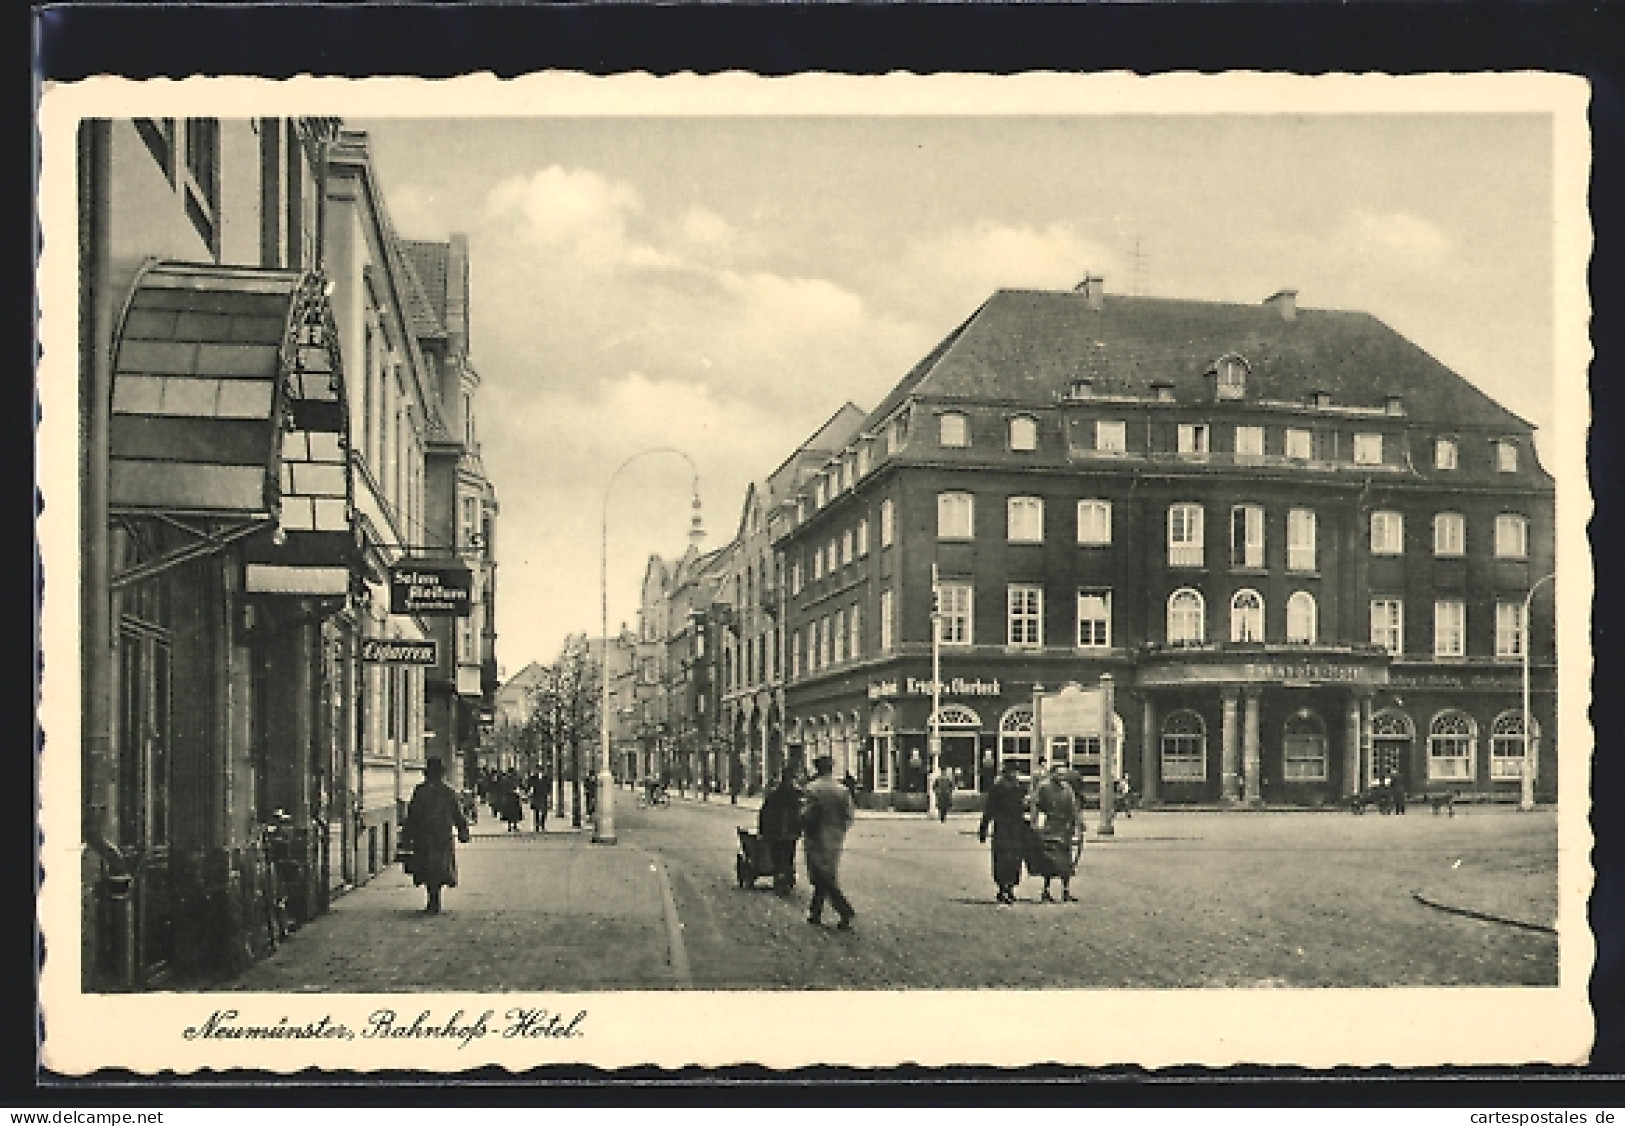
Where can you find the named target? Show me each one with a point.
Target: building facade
(255, 418)
(1301, 547)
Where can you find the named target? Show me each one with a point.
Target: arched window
(1184, 748)
(1507, 745)
(1246, 616)
(1301, 618)
(1185, 617)
(953, 429)
(1016, 739)
(1451, 743)
(957, 715)
(1023, 432)
(1303, 747)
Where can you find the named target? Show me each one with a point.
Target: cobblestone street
(1174, 900)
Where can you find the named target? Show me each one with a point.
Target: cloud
(1398, 237)
(578, 211)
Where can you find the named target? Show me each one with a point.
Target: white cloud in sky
(580, 211)
(1398, 237)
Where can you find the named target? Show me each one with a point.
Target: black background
(142, 41)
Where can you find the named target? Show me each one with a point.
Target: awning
(229, 423)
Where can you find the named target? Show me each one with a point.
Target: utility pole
(936, 677)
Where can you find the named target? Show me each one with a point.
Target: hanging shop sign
(392, 652)
(430, 589)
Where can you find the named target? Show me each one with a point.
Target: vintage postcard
(948, 570)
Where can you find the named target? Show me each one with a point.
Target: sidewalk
(531, 912)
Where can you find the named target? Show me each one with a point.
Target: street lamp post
(604, 820)
(1526, 777)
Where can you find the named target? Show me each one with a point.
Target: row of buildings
(1311, 557)
(288, 538)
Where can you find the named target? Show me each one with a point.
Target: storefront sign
(1450, 680)
(913, 686)
(1264, 672)
(430, 589)
(400, 652)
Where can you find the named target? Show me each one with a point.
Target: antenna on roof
(1138, 284)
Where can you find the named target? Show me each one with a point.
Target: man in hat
(1006, 812)
(826, 814)
(432, 817)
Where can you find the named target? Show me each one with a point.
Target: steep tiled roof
(1025, 346)
(429, 261)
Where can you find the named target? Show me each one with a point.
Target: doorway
(144, 797)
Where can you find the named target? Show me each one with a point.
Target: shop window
(1024, 519)
(1452, 740)
(1246, 616)
(1026, 616)
(1185, 618)
(1449, 534)
(1023, 433)
(1185, 535)
(1507, 746)
(1303, 748)
(1302, 624)
(1184, 748)
(1095, 522)
(1511, 536)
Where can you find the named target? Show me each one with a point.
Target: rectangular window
(1299, 444)
(955, 516)
(1095, 522)
(1094, 619)
(887, 628)
(1025, 520)
(1368, 449)
(159, 135)
(1449, 628)
(1193, 438)
(812, 647)
(847, 541)
(1185, 535)
(953, 430)
(863, 538)
(818, 492)
(1111, 436)
(1247, 536)
(1509, 629)
(1250, 441)
(1303, 758)
(1388, 624)
(818, 563)
(954, 608)
(826, 644)
(1449, 533)
(1444, 453)
(854, 625)
(1184, 757)
(1511, 536)
(1026, 616)
(1387, 533)
(834, 557)
(838, 636)
(865, 457)
(1300, 539)
(1506, 457)
(888, 522)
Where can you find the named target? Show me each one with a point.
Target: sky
(722, 285)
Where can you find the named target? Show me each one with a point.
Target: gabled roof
(839, 429)
(429, 261)
(1026, 346)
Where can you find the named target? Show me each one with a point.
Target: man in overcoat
(1006, 812)
(826, 814)
(779, 824)
(433, 816)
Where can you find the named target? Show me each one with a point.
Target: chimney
(1093, 289)
(1284, 302)
(1393, 404)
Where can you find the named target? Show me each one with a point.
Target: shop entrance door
(144, 807)
(959, 757)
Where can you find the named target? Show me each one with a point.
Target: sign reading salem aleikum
(430, 589)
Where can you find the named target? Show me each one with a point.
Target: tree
(563, 722)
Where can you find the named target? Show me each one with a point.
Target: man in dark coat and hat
(779, 824)
(1006, 812)
(826, 814)
(432, 817)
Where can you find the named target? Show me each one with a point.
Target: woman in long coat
(1058, 824)
(1006, 812)
(432, 818)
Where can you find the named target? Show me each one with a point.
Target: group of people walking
(820, 814)
(508, 792)
(1046, 843)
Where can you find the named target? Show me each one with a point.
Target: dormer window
(1232, 377)
(1023, 433)
(953, 429)
(1080, 388)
